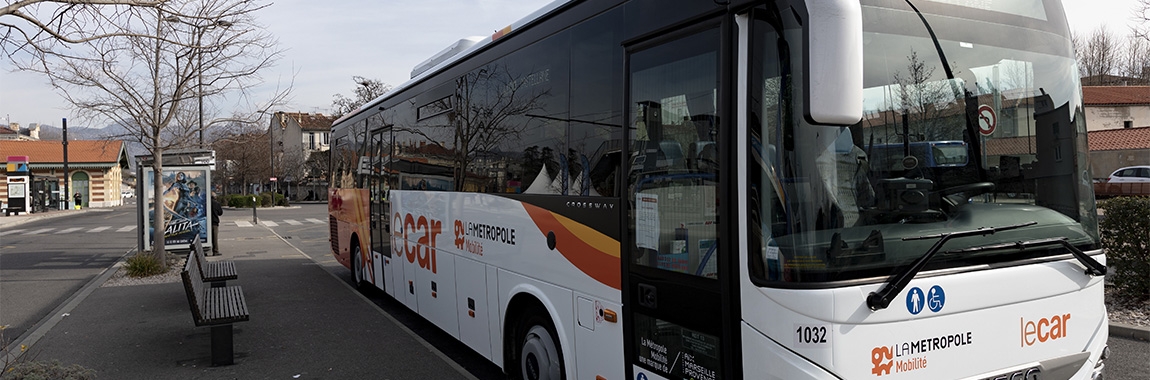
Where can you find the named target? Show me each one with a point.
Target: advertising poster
(185, 198)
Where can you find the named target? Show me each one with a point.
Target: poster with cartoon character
(185, 199)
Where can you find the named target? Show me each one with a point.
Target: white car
(1140, 173)
(126, 194)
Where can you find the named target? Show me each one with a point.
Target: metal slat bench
(215, 272)
(218, 307)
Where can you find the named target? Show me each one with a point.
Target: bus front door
(377, 189)
(676, 324)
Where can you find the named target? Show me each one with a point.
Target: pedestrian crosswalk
(130, 228)
(272, 223)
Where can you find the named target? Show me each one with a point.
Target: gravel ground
(1131, 313)
(121, 278)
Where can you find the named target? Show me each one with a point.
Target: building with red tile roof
(1120, 139)
(95, 168)
(1111, 149)
(1118, 125)
(1115, 107)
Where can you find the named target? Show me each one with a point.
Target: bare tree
(316, 165)
(143, 78)
(1098, 56)
(493, 108)
(927, 101)
(237, 164)
(1141, 18)
(365, 91)
(42, 25)
(1135, 58)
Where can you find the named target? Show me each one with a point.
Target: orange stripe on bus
(592, 252)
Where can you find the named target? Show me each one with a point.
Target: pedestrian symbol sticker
(914, 300)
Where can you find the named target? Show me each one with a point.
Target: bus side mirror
(833, 56)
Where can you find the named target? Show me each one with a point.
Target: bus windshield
(960, 131)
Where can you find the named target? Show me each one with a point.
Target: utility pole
(67, 192)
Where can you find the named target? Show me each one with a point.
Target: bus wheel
(356, 269)
(539, 356)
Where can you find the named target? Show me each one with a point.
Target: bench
(218, 307)
(215, 272)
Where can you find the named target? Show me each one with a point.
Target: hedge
(265, 199)
(1125, 230)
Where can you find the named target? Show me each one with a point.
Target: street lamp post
(200, 29)
(272, 116)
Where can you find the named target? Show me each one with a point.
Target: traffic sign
(987, 120)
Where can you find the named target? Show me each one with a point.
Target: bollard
(255, 220)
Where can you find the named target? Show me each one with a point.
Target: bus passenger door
(377, 193)
(676, 320)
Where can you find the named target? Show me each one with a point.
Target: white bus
(654, 189)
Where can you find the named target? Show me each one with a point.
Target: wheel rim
(539, 359)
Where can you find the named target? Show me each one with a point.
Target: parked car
(126, 194)
(1140, 173)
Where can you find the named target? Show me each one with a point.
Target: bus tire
(356, 269)
(540, 357)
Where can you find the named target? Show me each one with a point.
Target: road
(42, 264)
(41, 267)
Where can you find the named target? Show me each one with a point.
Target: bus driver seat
(844, 170)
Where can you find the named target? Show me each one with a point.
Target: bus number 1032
(811, 335)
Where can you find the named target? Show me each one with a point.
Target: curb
(28, 339)
(1122, 330)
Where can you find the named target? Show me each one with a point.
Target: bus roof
(463, 53)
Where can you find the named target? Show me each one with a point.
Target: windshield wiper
(881, 299)
(1093, 267)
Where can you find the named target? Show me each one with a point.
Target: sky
(329, 42)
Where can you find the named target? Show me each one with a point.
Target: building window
(1128, 124)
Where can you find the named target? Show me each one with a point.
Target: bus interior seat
(847, 175)
(702, 156)
(670, 154)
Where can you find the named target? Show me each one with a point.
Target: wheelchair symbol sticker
(935, 299)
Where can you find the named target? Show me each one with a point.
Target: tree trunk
(158, 226)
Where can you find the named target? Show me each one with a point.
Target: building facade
(1118, 120)
(96, 170)
(294, 138)
(13, 132)
(1116, 107)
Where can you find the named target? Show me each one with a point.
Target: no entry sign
(987, 120)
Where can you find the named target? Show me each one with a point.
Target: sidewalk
(14, 220)
(305, 324)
